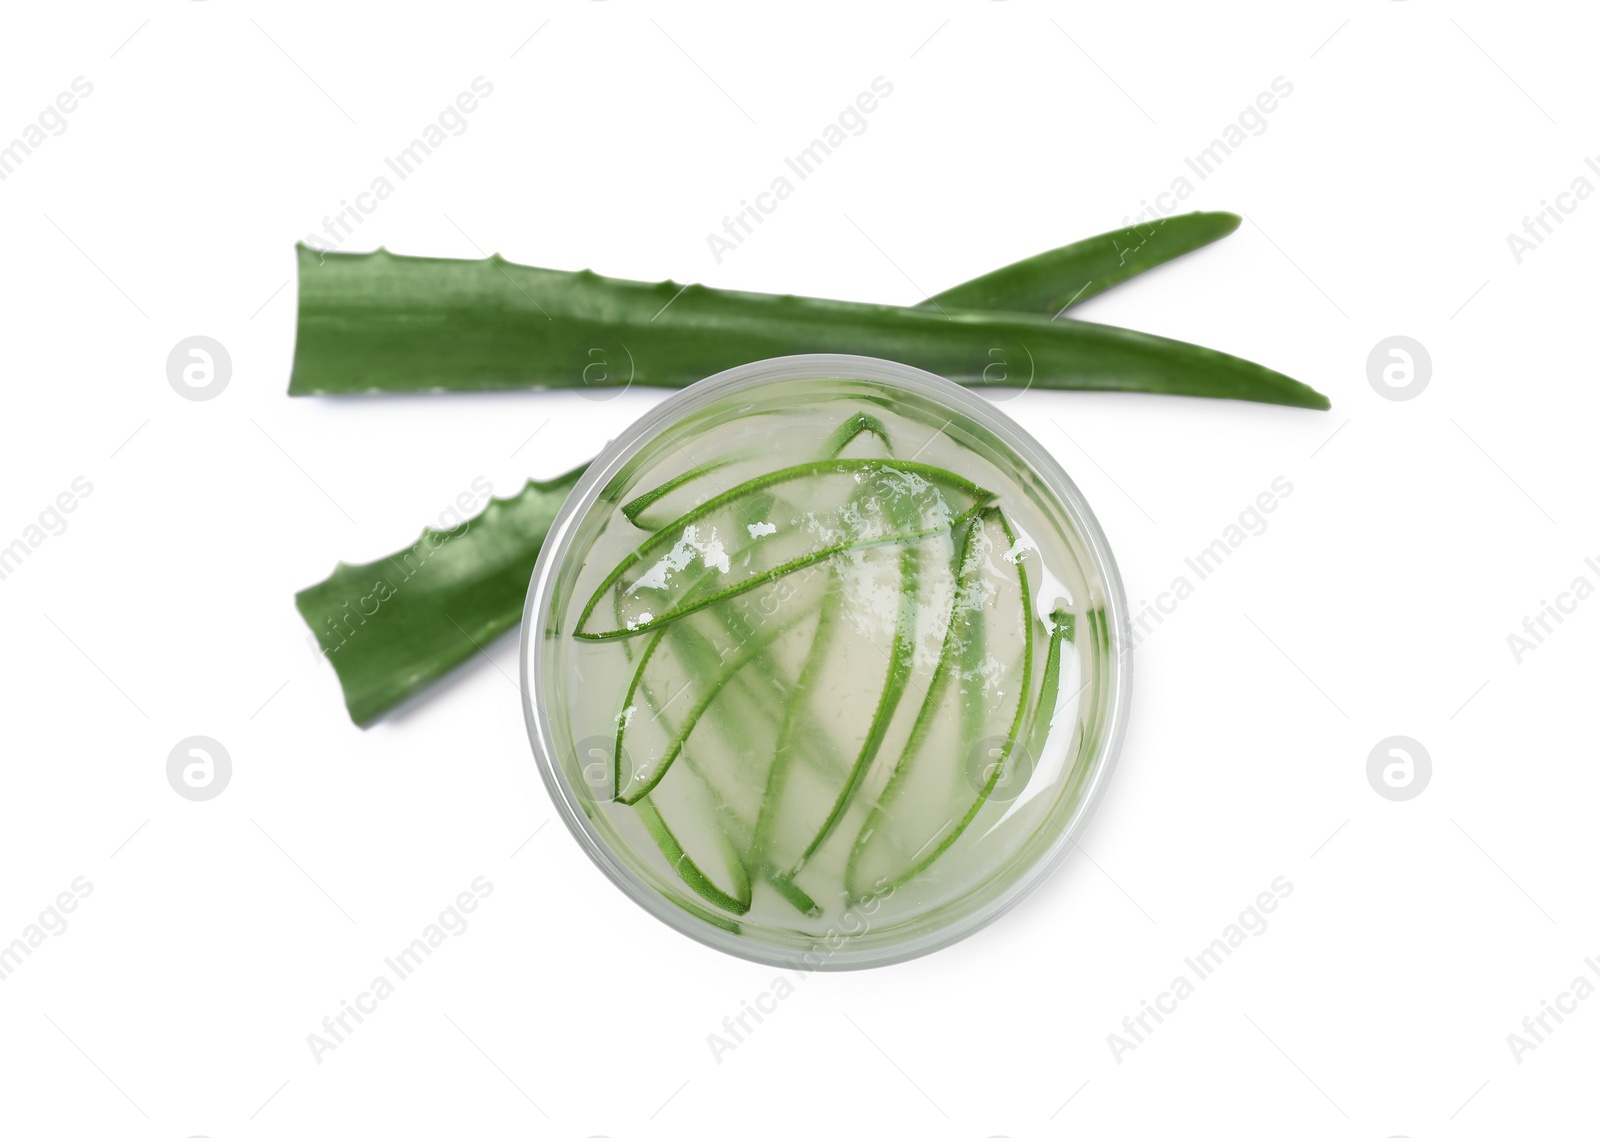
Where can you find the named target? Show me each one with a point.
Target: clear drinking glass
(843, 757)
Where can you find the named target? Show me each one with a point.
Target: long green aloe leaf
(394, 626)
(383, 322)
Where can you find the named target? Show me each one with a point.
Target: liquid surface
(828, 664)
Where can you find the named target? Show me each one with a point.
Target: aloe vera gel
(818, 664)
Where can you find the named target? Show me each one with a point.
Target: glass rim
(893, 375)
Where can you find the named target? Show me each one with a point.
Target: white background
(1419, 534)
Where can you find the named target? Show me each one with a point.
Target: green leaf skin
(382, 322)
(1053, 282)
(393, 626)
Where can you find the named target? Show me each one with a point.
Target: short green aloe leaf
(394, 626)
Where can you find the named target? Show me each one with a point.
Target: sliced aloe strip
(844, 436)
(783, 753)
(763, 689)
(737, 724)
(792, 736)
(734, 896)
(796, 700)
(705, 658)
(897, 676)
(632, 509)
(803, 807)
(930, 709)
(853, 428)
(659, 558)
(965, 638)
(847, 432)
(699, 579)
(656, 769)
(1009, 747)
(1098, 651)
(724, 818)
(1062, 624)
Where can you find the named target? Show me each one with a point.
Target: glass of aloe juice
(818, 662)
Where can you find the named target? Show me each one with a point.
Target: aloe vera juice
(825, 663)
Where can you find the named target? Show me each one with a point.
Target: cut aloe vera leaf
(917, 819)
(394, 626)
(651, 578)
(723, 881)
(1053, 282)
